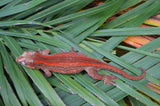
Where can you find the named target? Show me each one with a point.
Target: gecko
(71, 62)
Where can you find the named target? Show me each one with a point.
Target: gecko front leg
(47, 72)
(44, 52)
(92, 71)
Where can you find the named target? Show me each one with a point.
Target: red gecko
(70, 63)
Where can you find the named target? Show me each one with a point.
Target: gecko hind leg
(92, 71)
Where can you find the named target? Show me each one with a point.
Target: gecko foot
(47, 73)
(109, 78)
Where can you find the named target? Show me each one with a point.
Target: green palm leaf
(59, 25)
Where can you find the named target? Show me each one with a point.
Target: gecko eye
(33, 53)
(31, 60)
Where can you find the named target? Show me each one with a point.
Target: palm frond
(61, 24)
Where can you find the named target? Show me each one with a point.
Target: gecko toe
(108, 79)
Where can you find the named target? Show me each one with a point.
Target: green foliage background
(59, 25)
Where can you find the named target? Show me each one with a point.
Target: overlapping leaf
(29, 26)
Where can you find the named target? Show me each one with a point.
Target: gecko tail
(123, 73)
(134, 77)
(141, 76)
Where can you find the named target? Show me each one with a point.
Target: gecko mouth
(23, 63)
(20, 60)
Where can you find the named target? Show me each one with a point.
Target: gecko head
(27, 58)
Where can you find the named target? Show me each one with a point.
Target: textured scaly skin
(70, 63)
